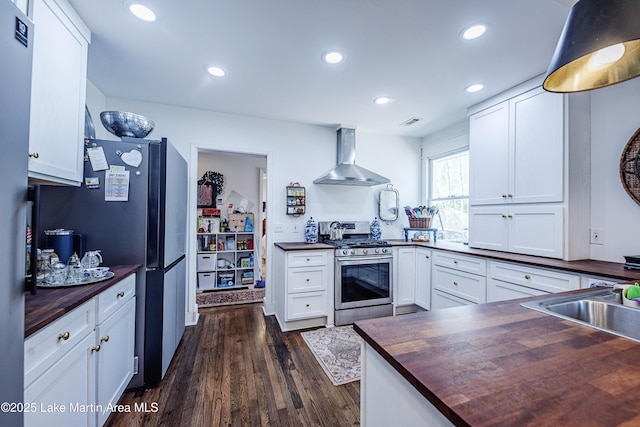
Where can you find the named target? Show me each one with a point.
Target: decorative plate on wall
(630, 167)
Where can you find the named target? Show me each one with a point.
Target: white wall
(614, 120)
(295, 152)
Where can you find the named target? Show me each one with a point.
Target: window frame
(430, 181)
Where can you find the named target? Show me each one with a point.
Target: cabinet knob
(120, 294)
(308, 305)
(509, 195)
(426, 256)
(308, 280)
(104, 339)
(509, 216)
(34, 155)
(455, 283)
(455, 261)
(65, 336)
(308, 259)
(504, 216)
(526, 276)
(95, 348)
(504, 196)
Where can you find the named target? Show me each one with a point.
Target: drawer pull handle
(95, 348)
(104, 339)
(35, 155)
(455, 283)
(526, 276)
(120, 294)
(64, 336)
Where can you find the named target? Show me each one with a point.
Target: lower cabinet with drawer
(457, 280)
(511, 281)
(304, 288)
(77, 367)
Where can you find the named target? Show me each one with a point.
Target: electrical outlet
(597, 236)
(278, 228)
(295, 228)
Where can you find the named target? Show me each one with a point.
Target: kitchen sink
(600, 309)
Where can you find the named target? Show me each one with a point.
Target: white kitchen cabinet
(532, 230)
(457, 280)
(58, 91)
(497, 290)
(512, 280)
(82, 361)
(442, 300)
(70, 381)
(405, 276)
(489, 155)
(423, 278)
(510, 144)
(115, 358)
(529, 170)
(59, 366)
(304, 288)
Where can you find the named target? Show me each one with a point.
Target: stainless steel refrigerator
(136, 220)
(16, 38)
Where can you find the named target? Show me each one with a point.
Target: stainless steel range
(363, 286)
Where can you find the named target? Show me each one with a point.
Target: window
(449, 191)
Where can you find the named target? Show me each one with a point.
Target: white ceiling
(409, 50)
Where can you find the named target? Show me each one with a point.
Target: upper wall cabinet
(529, 166)
(58, 91)
(517, 151)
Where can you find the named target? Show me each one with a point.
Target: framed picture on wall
(206, 196)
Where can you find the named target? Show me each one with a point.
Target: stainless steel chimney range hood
(346, 172)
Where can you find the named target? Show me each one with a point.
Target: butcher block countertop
(51, 303)
(612, 270)
(302, 246)
(501, 364)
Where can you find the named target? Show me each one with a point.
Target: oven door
(363, 282)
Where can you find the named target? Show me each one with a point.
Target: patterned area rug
(338, 352)
(230, 297)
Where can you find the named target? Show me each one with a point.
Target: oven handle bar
(364, 258)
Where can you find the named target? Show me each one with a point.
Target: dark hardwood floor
(236, 368)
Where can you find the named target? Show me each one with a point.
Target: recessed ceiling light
(142, 12)
(333, 57)
(474, 88)
(474, 32)
(381, 100)
(216, 71)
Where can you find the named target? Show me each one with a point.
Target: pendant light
(599, 46)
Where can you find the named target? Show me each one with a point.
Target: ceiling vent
(411, 121)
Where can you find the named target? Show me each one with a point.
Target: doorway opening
(231, 228)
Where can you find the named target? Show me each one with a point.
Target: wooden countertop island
(497, 364)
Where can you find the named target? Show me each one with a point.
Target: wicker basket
(420, 222)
